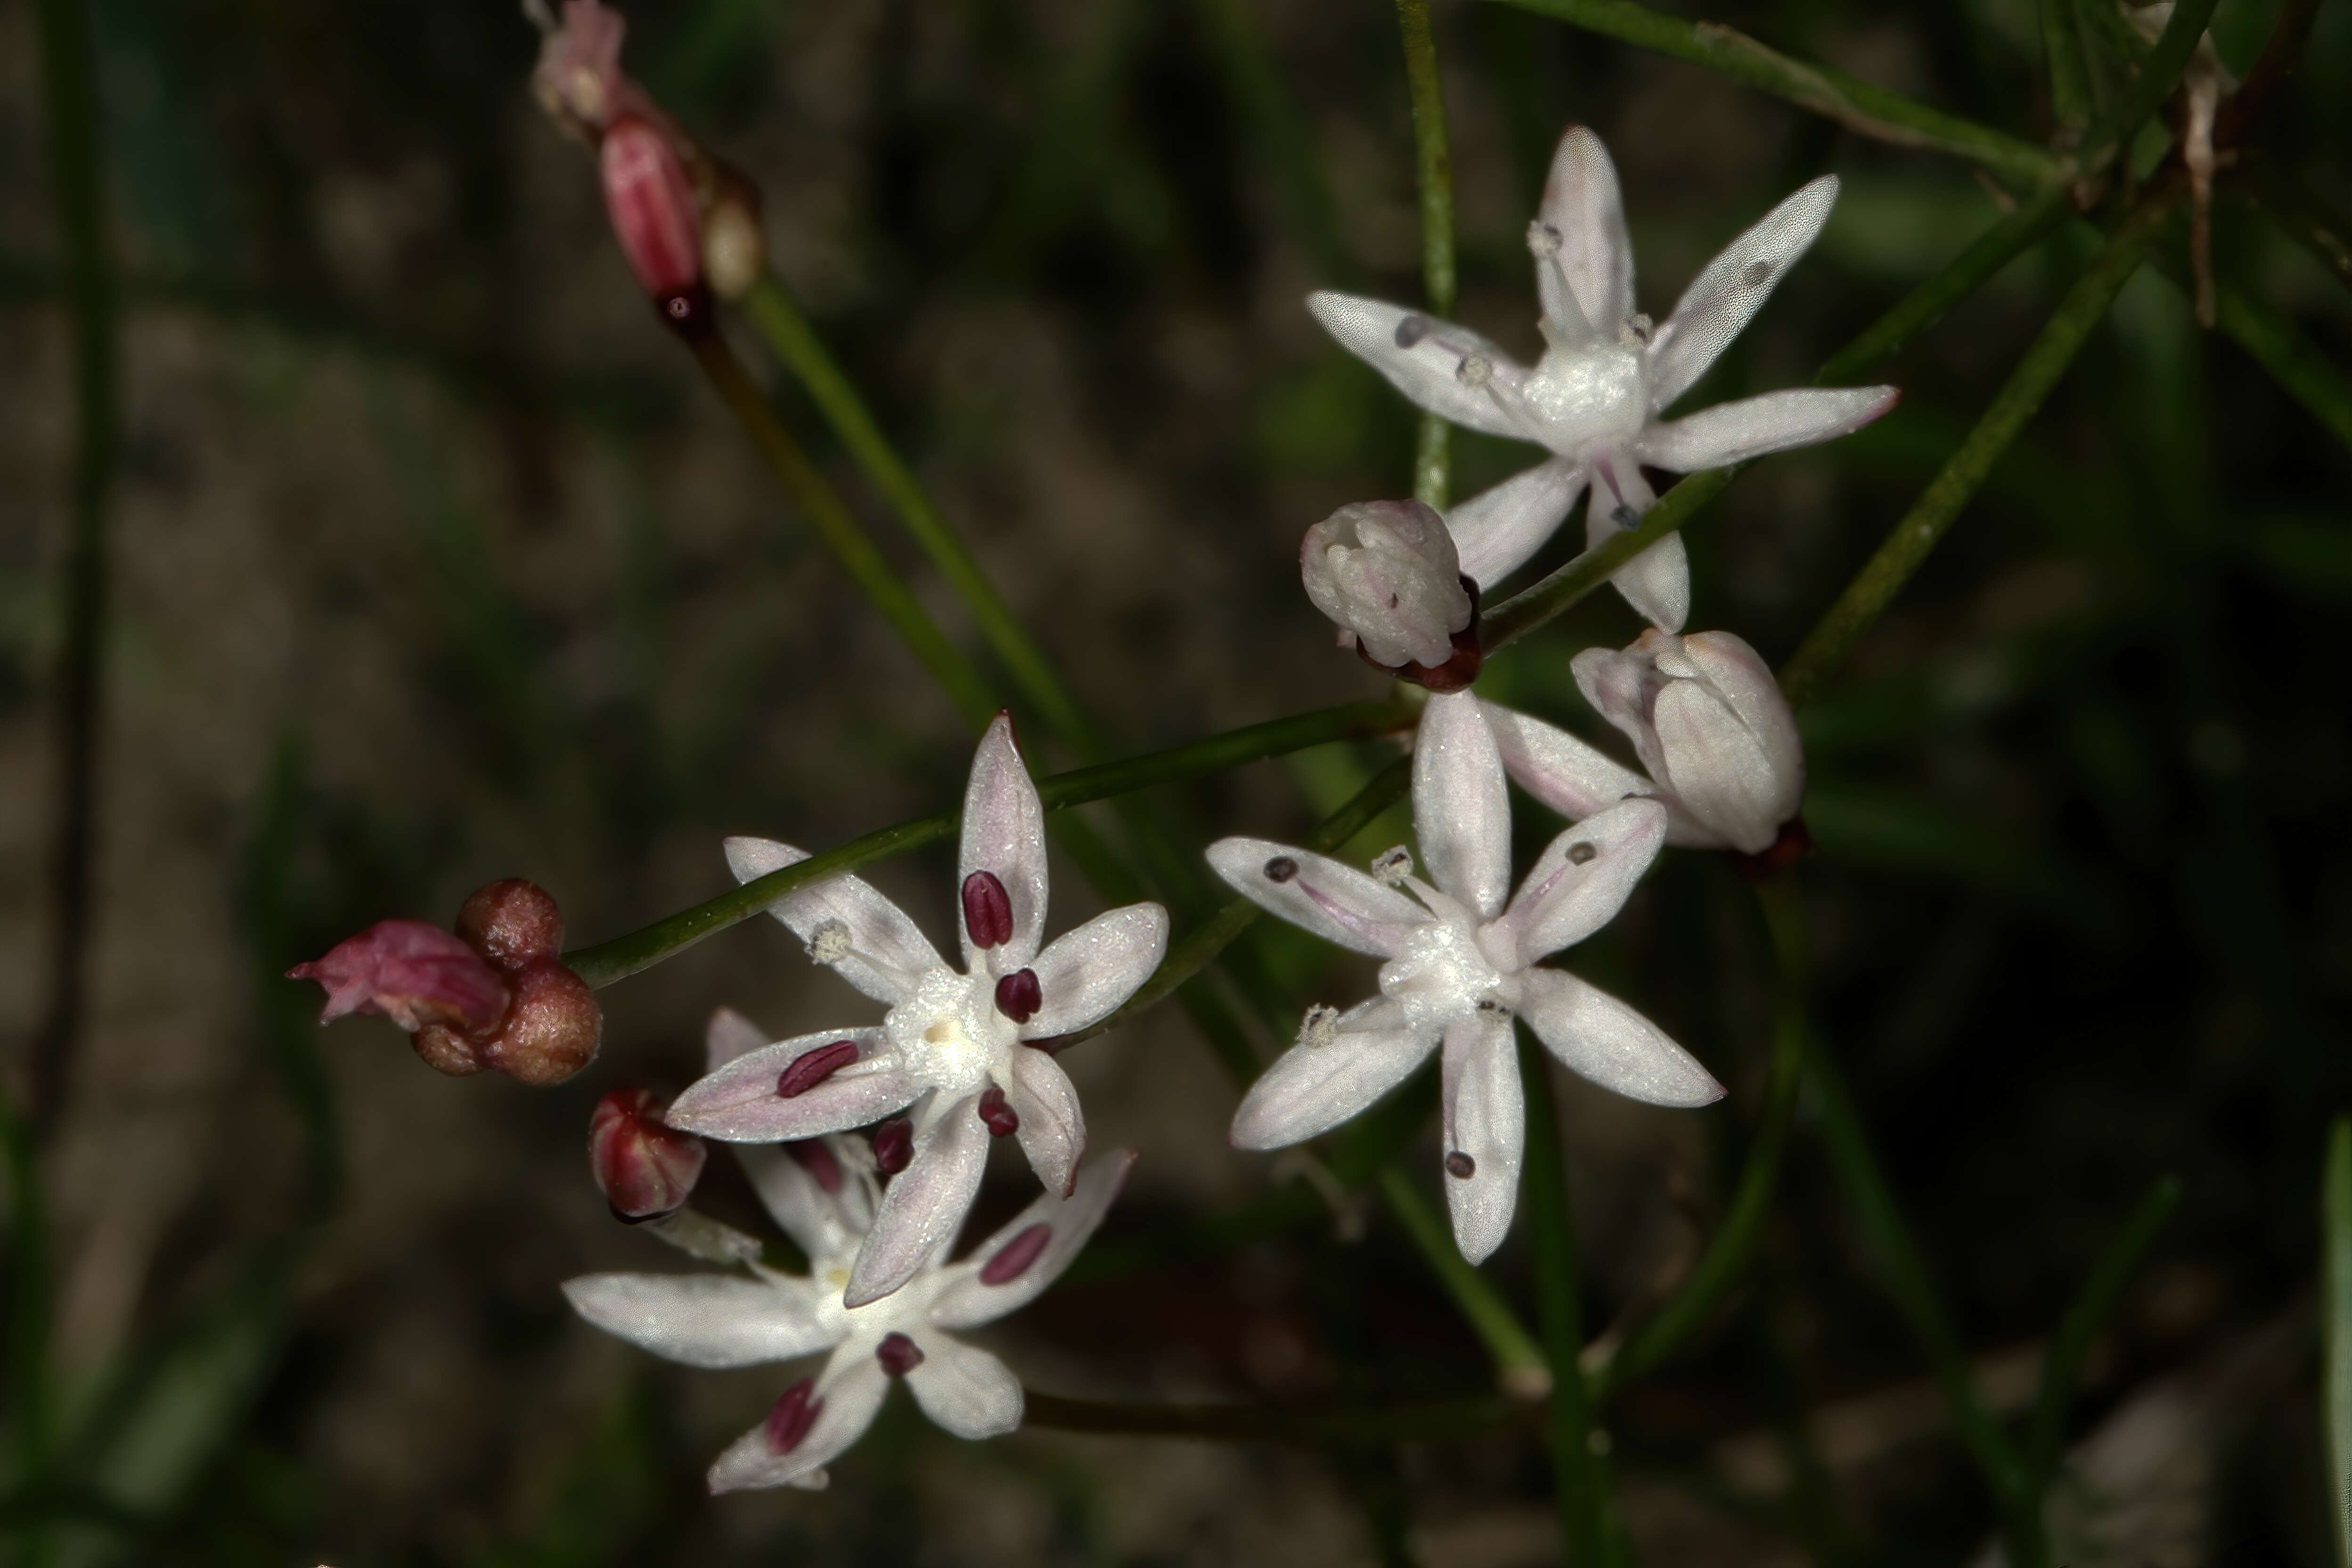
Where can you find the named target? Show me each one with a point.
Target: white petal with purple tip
(1461, 806)
(1053, 1129)
(1582, 205)
(738, 1103)
(1083, 976)
(1496, 531)
(971, 1300)
(1311, 1089)
(1336, 901)
(1596, 1037)
(852, 1386)
(703, 1320)
(924, 1205)
(1004, 834)
(1422, 358)
(1732, 433)
(1583, 877)
(966, 1390)
(885, 951)
(1723, 298)
(1486, 1124)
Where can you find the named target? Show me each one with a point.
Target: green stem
(2160, 73)
(831, 517)
(2062, 1369)
(2061, 46)
(624, 956)
(1577, 1474)
(2300, 212)
(2280, 347)
(1434, 171)
(1523, 611)
(70, 86)
(1905, 1274)
(2336, 1330)
(1939, 505)
(1860, 107)
(787, 332)
(1743, 1226)
(1521, 1369)
(1419, 1423)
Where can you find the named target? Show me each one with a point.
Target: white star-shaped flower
(1606, 375)
(956, 1044)
(826, 1198)
(1460, 965)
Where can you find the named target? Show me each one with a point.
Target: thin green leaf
(1577, 1476)
(2061, 1368)
(1520, 1367)
(1433, 175)
(2336, 1330)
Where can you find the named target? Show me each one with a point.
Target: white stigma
(1320, 1026)
(829, 942)
(1393, 865)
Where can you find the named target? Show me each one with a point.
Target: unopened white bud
(1320, 1026)
(1393, 865)
(1388, 571)
(829, 942)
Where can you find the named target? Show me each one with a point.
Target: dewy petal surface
(924, 1205)
(1311, 1089)
(1461, 806)
(1004, 834)
(1598, 1038)
(1053, 1130)
(852, 1385)
(1776, 422)
(886, 948)
(1564, 773)
(1334, 900)
(965, 1390)
(1485, 1118)
(1085, 974)
(1724, 296)
(703, 1320)
(1584, 877)
(1656, 583)
(1741, 677)
(822, 1224)
(1498, 530)
(1427, 368)
(1582, 203)
(1717, 767)
(738, 1103)
(971, 1302)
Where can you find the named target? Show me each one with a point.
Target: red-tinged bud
(893, 1145)
(552, 1030)
(734, 246)
(512, 923)
(1001, 1119)
(1013, 1259)
(1018, 995)
(899, 1354)
(413, 973)
(987, 911)
(795, 1414)
(644, 1167)
(818, 1161)
(651, 202)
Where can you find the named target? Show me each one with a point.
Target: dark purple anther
(1013, 1259)
(893, 1145)
(987, 911)
(1460, 1166)
(796, 1412)
(899, 1354)
(1001, 1119)
(818, 1161)
(1018, 995)
(811, 1069)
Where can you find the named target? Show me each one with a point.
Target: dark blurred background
(435, 562)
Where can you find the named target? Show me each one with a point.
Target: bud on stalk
(1388, 574)
(644, 1167)
(651, 202)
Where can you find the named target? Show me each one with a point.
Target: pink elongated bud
(1015, 1257)
(811, 1069)
(899, 1354)
(893, 1145)
(818, 1161)
(644, 1167)
(415, 974)
(512, 923)
(987, 911)
(795, 1412)
(1018, 995)
(1001, 1119)
(651, 202)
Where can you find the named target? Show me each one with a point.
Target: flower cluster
(868, 1143)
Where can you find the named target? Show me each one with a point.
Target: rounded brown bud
(446, 1050)
(551, 1030)
(512, 923)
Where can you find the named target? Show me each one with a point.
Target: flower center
(1441, 974)
(950, 1034)
(1598, 392)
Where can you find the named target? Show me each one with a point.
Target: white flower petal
(886, 951)
(924, 1205)
(1581, 200)
(1085, 974)
(1734, 287)
(1004, 833)
(1311, 1089)
(969, 1300)
(728, 1036)
(738, 1103)
(1598, 1038)
(1734, 432)
(1496, 531)
(1656, 583)
(703, 1320)
(1619, 686)
(852, 1386)
(1564, 773)
(822, 1225)
(1583, 877)
(1426, 368)
(964, 1389)
(1053, 1129)
(1718, 769)
(1461, 806)
(1317, 893)
(1741, 677)
(1487, 1120)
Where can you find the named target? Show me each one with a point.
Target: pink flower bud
(413, 973)
(651, 202)
(552, 1031)
(512, 923)
(643, 1167)
(1388, 571)
(578, 78)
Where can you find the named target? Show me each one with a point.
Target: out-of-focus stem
(70, 87)
(1577, 1474)
(1265, 1424)
(2336, 1330)
(2062, 46)
(1520, 1367)
(1434, 172)
(2062, 1369)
